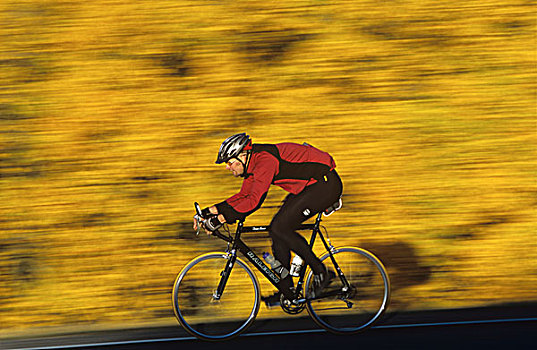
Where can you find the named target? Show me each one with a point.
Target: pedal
(272, 301)
(271, 304)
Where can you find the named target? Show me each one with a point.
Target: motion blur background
(111, 114)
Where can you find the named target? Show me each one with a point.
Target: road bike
(216, 296)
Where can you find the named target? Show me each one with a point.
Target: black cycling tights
(297, 208)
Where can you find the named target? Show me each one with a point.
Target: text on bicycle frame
(253, 258)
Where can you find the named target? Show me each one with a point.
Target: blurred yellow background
(112, 112)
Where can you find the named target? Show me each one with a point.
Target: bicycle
(216, 296)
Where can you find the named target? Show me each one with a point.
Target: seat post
(319, 219)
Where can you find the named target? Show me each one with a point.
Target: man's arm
(253, 191)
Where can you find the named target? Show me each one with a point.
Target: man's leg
(285, 238)
(295, 210)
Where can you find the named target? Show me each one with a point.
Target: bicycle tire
(198, 311)
(369, 295)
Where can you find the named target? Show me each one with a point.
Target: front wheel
(208, 316)
(353, 308)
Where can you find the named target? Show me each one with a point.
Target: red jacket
(288, 165)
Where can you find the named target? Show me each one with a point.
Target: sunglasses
(231, 161)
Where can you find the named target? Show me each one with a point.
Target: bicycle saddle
(333, 208)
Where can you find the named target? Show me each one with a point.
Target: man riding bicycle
(307, 173)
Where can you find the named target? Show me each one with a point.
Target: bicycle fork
(225, 273)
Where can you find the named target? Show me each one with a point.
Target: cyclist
(307, 173)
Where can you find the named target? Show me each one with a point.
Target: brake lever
(198, 222)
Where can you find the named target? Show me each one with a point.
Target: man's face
(235, 167)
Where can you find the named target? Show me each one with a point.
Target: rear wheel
(207, 316)
(351, 310)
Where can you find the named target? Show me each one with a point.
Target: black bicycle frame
(238, 245)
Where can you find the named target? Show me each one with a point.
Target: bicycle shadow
(404, 267)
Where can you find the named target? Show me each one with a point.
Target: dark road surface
(513, 327)
(489, 336)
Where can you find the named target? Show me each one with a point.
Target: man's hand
(206, 213)
(212, 224)
(215, 223)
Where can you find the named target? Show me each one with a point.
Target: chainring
(292, 307)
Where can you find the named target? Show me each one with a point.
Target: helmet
(233, 146)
